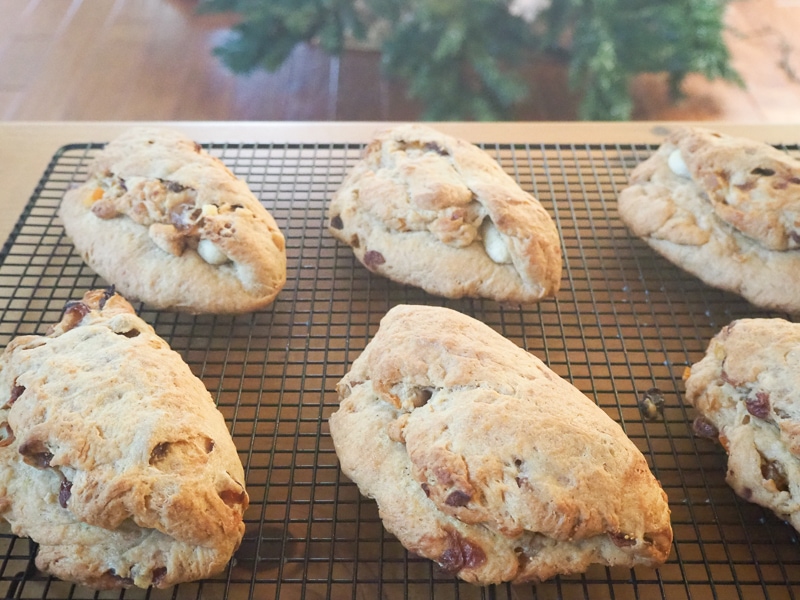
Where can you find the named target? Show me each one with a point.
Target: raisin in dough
(726, 209)
(169, 224)
(437, 212)
(114, 457)
(747, 391)
(485, 461)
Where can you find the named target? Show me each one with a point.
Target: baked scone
(433, 211)
(725, 209)
(169, 224)
(747, 391)
(113, 456)
(484, 460)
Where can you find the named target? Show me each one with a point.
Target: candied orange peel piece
(96, 194)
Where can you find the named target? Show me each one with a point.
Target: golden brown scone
(114, 458)
(169, 224)
(485, 461)
(437, 212)
(726, 209)
(747, 391)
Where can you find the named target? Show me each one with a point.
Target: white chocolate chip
(210, 210)
(677, 165)
(495, 244)
(209, 252)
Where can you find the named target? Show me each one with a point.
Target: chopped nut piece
(168, 238)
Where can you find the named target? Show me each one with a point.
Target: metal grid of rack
(625, 321)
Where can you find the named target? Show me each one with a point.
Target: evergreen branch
(459, 57)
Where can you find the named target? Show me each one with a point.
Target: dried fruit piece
(763, 171)
(457, 498)
(16, 392)
(36, 454)
(434, 147)
(158, 575)
(158, 452)
(373, 258)
(758, 405)
(704, 428)
(461, 553)
(64, 493)
(6, 435)
(622, 540)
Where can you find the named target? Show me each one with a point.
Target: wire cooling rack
(625, 321)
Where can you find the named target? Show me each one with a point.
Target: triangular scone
(484, 460)
(437, 212)
(747, 391)
(169, 224)
(114, 457)
(724, 208)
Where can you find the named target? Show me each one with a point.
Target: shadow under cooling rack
(624, 321)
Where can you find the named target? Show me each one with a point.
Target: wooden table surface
(27, 147)
(153, 59)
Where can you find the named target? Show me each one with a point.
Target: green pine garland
(460, 58)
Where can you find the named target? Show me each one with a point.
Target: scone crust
(733, 223)
(151, 196)
(115, 458)
(485, 461)
(747, 386)
(415, 209)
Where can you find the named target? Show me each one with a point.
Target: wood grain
(152, 60)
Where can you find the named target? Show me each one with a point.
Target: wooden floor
(151, 59)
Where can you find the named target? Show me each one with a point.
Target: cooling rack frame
(625, 321)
